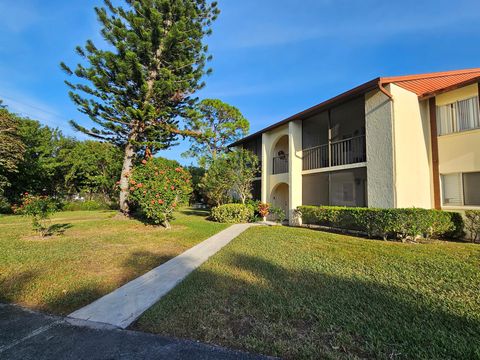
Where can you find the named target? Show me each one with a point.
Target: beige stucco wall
(269, 143)
(458, 94)
(295, 163)
(459, 152)
(412, 150)
(272, 142)
(380, 150)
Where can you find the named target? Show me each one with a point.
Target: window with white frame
(461, 189)
(458, 116)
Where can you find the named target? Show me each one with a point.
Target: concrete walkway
(124, 305)
(28, 335)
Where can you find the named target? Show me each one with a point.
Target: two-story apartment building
(406, 141)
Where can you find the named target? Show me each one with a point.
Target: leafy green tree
(244, 165)
(197, 174)
(93, 167)
(230, 176)
(216, 184)
(12, 149)
(220, 125)
(42, 169)
(137, 88)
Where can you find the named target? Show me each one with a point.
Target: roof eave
(365, 87)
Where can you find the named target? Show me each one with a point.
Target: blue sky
(272, 58)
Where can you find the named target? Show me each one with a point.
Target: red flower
(153, 202)
(172, 187)
(132, 188)
(139, 185)
(178, 169)
(144, 161)
(174, 204)
(132, 182)
(160, 201)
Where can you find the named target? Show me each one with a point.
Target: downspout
(383, 90)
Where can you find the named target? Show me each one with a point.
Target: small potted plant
(264, 210)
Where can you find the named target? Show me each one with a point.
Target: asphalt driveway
(28, 335)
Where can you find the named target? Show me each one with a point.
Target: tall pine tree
(136, 89)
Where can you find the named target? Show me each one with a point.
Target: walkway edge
(124, 305)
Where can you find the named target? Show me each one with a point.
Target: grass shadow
(196, 212)
(69, 301)
(57, 229)
(140, 262)
(12, 289)
(305, 314)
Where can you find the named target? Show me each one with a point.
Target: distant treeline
(38, 159)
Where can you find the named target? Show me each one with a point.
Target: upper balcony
(335, 137)
(335, 153)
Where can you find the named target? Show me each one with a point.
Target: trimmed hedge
(232, 213)
(386, 223)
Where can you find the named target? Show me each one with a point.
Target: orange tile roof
(427, 84)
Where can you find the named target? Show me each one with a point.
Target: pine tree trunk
(124, 186)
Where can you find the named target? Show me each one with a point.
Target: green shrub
(232, 213)
(442, 223)
(458, 226)
(278, 214)
(253, 204)
(87, 205)
(472, 224)
(386, 223)
(5, 206)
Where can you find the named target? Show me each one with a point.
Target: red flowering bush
(158, 186)
(39, 208)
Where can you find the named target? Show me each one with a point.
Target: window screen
(471, 188)
(452, 193)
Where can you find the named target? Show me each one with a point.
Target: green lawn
(299, 293)
(96, 254)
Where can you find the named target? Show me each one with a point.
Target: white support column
(294, 168)
(265, 169)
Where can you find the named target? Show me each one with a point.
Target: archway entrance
(279, 198)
